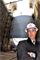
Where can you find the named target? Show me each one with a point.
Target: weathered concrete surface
(37, 17)
(3, 20)
(8, 55)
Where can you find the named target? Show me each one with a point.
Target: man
(28, 49)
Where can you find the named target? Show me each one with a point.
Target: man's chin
(31, 38)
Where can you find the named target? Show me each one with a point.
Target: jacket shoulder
(22, 43)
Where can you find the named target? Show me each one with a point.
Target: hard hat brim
(30, 28)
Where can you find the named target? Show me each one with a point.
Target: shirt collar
(33, 42)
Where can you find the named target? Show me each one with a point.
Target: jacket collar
(29, 40)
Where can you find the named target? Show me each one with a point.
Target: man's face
(31, 33)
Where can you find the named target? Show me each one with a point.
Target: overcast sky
(7, 1)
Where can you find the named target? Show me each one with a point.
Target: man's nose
(31, 32)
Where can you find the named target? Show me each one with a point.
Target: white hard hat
(31, 25)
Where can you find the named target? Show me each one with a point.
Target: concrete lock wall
(37, 17)
(3, 19)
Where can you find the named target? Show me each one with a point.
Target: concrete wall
(37, 17)
(3, 19)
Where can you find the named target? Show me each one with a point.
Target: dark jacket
(27, 46)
